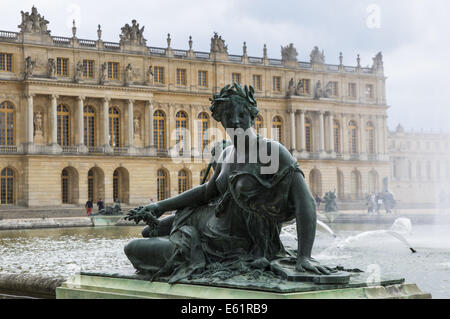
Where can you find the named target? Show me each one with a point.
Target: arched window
(315, 182)
(203, 130)
(259, 124)
(121, 185)
(277, 129)
(183, 181)
(370, 138)
(116, 185)
(337, 136)
(202, 176)
(308, 135)
(7, 187)
(373, 182)
(355, 185)
(181, 125)
(89, 126)
(7, 128)
(162, 185)
(353, 137)
(91, 185)
(114, 127)
(159, 130)
(65, 186)
(63, 124)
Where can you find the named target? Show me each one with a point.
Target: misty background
(412, 34)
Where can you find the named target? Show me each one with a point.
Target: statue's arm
(195, 197)
(306, 218)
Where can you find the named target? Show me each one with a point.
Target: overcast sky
(412, 34)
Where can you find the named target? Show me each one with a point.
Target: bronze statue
(234, 220)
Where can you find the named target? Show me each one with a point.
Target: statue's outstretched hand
(308, 263)
(148, 214)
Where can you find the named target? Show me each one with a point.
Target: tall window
(88, 69)
(355, 184)
(369, 91)
(181, 120)
(162, 185)
(236, 77)
(429, 171)
(113, 70)
(306, 89)
(183, 181)
(334, 88)
(277, 129)
(7, 187)
(158, 74)
(114, 127)
(277, 84)
(159, 130)
(65, 186)
(370, 138)
(203, 79)
(181, 76)
(337, 136)
(62, 67)
(63, 124)
(352, 90)
(203, 130)
(7, 127)
(116, 179)
(353, 137)
(89, 126)
(257, 82)
(308, 135)
(6, 62)
(258, 124)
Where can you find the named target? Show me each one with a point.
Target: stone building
(93, 119)
(420, 167)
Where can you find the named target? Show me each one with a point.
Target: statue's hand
(148, 214)
(308, 263)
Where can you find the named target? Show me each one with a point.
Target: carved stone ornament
(317, 57)
(51, 68)
(128, 75)
(33, 23)
(320, 92)
(133, 34)
(218, 44)
(29, 67)
(78, 72)
(289, 53)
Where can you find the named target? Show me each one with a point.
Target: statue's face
(236, 114)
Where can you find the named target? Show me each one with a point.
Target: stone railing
(121, 150)
(8, 36)
(8, 149)
(95, 149)
(69, 149)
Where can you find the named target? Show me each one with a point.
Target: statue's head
(235, 107)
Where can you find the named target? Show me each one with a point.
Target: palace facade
(93, 119)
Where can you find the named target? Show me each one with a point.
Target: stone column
(321, 134)
(80, 125)
(302, 131)
(105, 135)
(293, 137)
(29, 120)
(331, 133)
(149, 110)
(53, 120)
(130, 123)
(362, 139)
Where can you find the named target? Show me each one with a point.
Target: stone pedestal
(132, 286)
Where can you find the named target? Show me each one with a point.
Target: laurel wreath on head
(227, 92)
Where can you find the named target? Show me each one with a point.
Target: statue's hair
(218, 100)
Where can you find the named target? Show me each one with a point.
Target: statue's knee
(146, 232)
(129, 248)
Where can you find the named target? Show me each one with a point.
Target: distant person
(318, 201)
(89, 206)
(371, 203)
(100, 204)
(151, 201)
(379, 201)
(389, 202)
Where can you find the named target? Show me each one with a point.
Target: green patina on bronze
(231, 225)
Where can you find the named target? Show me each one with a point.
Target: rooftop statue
(133, 34)
(33, 23)
(231, 224)
(317, 57)
(289, 53)
(218, 44)
(378, 62)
